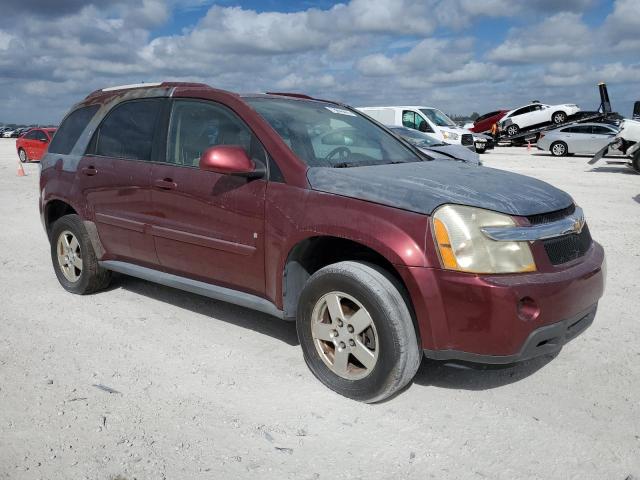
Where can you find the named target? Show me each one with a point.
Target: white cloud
(561, 36)
(359, 51)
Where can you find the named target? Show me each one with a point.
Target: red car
(486, 121)
(310, 211)
(32, 145)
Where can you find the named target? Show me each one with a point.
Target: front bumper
(542, 341)
(505, 318)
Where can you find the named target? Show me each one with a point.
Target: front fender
(294, 215)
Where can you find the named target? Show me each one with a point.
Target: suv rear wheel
(74, 259)
(356, 331)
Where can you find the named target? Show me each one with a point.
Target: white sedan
(534, 114)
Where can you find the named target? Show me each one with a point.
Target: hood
(423, 186)
(459, 130)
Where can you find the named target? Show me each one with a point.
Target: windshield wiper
(344, 165)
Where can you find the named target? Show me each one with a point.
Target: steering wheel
(341, 153)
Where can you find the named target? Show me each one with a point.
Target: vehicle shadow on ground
(636, 198)
(620, 168)
(216, 310)
(442, 374)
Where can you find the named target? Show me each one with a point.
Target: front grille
(467, 139)
(551, 216)
(568, 247)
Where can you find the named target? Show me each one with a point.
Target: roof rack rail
(288, 94)
(131, 85)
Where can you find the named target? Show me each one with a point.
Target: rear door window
(129, 129)
(30, 135)
(71, 129)
(40, 135)
(585, 129)
(599, 130)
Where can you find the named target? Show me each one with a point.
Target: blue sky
(459, 55)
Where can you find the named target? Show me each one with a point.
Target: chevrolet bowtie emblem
(578, 224)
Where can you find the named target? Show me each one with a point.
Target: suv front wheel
(356, 331)
(74, 259)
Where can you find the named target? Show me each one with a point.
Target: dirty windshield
(326, 135)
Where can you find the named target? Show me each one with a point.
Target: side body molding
(194, 286)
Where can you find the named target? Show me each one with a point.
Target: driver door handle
(166, 184)
(90, 171)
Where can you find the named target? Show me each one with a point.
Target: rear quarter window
(72, 127)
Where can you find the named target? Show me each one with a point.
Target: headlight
(462, 245)
(450, 135)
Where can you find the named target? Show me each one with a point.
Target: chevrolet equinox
(310, 211)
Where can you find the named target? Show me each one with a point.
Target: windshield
(325, 135)
(417, 138)
(437, 117)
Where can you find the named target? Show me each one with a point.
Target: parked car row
(8, 132)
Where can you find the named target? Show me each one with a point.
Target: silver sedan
(436, 148)
(585, 138)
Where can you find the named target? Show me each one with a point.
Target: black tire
(512, 130)
(92, 277)
(22, 154)
(398, 353)
(558, 117)
(559, 149)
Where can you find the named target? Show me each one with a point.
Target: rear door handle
(90, 171)
(166, 184)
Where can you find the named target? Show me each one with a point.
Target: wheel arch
(55, 209)
(315, 252)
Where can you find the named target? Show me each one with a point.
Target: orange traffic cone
(21, 171)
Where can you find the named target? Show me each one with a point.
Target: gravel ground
(204, 390)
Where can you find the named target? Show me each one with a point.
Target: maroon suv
(310, 211)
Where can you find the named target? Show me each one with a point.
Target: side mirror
(229, 160)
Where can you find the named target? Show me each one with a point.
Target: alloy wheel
(345, 335)
(558, 149)
(559, 118)
(69, 256)
(23, 156)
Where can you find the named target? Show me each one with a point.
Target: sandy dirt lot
(207, 390)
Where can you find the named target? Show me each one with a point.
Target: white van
(425, 119)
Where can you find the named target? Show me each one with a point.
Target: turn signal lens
(444, 245)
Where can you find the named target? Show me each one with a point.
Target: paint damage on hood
(423, 186)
